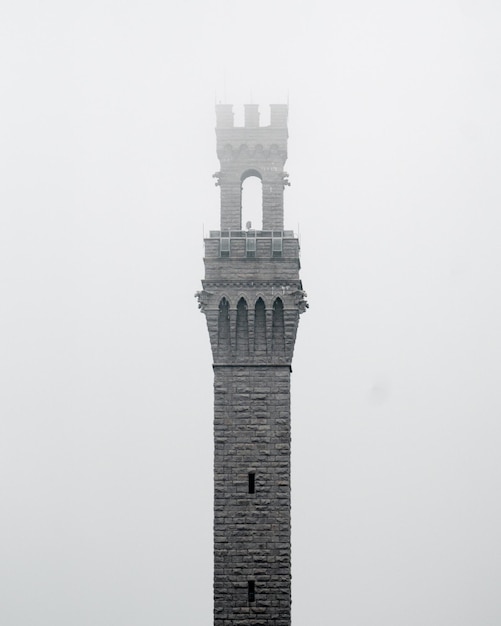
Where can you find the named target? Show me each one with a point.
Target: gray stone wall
(252, 530)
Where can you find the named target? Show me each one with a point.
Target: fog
(107, 154)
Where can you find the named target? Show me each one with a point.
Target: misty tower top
(252, 297)
(252, 150)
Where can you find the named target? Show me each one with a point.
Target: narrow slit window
(251, 590)
(252, 482)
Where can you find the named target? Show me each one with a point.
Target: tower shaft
(252, 530)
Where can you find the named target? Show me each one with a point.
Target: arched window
(223, 327)
(242, 328)
(278, 331)
(252, 200)
(260, 327)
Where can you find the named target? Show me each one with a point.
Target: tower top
(252, 150)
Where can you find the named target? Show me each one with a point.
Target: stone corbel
(203, 299)
(300, 300)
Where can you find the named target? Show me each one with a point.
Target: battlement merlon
(278, 116)
(271, 139)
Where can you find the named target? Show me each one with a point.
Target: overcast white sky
(107, 151)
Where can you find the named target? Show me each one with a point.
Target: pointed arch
(242, 338)
(260, 327)
(223, 327)
(278, 327)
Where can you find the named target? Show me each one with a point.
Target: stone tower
(252, 298)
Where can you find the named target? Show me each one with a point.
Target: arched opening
(260, 327)
(223, 327)
(252, 200)
(242, 329)
(278, 330)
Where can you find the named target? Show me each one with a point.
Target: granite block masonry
(252, 297)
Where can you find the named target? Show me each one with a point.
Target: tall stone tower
(252, 298)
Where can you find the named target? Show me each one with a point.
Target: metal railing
(263, 234)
